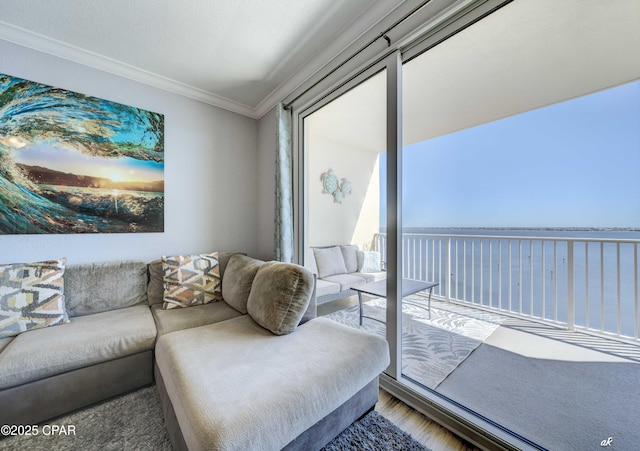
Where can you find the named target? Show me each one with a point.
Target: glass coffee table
(379, 289)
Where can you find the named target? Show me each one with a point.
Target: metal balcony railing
(580, 283)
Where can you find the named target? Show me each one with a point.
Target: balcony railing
(580, 283)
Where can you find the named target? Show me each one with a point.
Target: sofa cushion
(155, 289)
(4, 342)
(346, 281)
(324, 287)
(369, 261)
(99, 287)
(290, 382)
(31, 296)
(329, 261)
(237, 281)
(185, 318)
(350, 255)
(279, 296)
(87, 340)
(373, 276)
(191, 280)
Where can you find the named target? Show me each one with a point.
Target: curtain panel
(284, 187)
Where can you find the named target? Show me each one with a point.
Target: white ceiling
(527, 55)
(242, 55)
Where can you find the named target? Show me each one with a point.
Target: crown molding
(36, 41)
(350, 34)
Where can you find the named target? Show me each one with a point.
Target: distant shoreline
(524, 229)
(549, 229)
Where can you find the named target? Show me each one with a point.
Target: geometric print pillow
(31, 296)
(191, 280)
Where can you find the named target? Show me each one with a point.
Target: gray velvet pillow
(98, 287)
(329, 261)
(279, 296)
(237, 281)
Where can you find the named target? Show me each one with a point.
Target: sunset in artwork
(72, 163)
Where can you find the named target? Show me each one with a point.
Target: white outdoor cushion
(350, 254)
(324, 287)
(369, 261)
(346, 281)
(329, 261)
(374, 276)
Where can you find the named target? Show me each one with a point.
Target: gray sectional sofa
(339, 267)
(105, 350)
(255, 370)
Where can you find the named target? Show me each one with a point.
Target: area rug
(134, 422)
(431, 347)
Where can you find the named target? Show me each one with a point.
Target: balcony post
(571, 314)
(447, 264)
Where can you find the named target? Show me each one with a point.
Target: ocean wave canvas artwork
(72, 163)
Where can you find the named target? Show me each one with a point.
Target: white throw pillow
(369, 261)
(329, 261)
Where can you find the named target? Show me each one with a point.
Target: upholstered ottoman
(235, 385)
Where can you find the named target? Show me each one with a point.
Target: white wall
(210, 171)
(357, 218)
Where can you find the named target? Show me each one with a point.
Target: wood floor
(421, 428)
(424, 430)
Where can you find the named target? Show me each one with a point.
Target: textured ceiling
(238, 51)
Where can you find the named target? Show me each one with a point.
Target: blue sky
(573, 164)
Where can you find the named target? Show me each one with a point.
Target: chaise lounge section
(235, 385)
(272, 377)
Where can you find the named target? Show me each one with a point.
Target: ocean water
(527, 271)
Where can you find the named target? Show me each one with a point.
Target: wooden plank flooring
(421, 428)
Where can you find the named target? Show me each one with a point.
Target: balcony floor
(558, 388)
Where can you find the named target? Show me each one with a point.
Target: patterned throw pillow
(31, 296)
(191, 280)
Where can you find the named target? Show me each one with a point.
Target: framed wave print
(72, 163)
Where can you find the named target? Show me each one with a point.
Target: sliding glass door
(521, 140)
(344, 141)
(486, 171)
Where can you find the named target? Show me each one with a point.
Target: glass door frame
(390, 63)
(452, 415)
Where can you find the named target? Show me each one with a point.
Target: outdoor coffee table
(379, 288)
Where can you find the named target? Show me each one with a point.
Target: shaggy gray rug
(374, 433)
(134, 422)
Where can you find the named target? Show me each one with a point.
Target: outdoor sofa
(254, 369)
(339, 267)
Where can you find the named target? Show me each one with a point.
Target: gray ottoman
(235, 385)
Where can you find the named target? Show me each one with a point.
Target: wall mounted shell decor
(337, 188)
